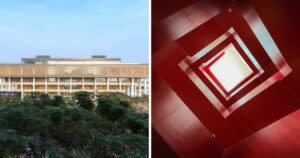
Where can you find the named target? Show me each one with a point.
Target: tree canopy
(81, 126)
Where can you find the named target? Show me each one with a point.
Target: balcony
(64, 90)
(126, 83)
(40, 83)
(100, 83)
(53, 83)
(89, 83)
(40, 90)
(52, 90)
(15, 83)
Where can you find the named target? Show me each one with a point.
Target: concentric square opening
(227, 69)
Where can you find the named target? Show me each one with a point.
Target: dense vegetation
(83, 127)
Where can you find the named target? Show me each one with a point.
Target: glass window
(64, 79)
(52, 79)
(15, 79)
(27, 87)
(76, 86)
(76, 79)
(89, 80)
(113, 79)
(100, 79)
(64, 86)
(27, 79)
(137, 79)
(124, 79)
(40, 79)
(113, 87)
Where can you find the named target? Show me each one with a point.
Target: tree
(11, 144)
(111, 108)
(39, 126)
(58, 101)
(124, 103)
(83, 99)
(105, 105)
(45, 99)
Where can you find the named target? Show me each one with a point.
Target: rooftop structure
(95, 59)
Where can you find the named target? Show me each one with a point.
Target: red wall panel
(178, 126)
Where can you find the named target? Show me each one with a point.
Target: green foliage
(113, 105)
(105, 105)
(124, 103)
(11, 143)
(57, 152)
(54, 114)
(116, 106)
(83, 99)
(40, 126)
(137, 122)
(45, 100)
(58, 101)
(117, 112)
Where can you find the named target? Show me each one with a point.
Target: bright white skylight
(230, 69)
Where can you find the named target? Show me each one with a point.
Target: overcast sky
(74, 28)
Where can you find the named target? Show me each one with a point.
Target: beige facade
(64, 76)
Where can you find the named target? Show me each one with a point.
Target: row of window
(70, 70)
(41, 79)
(65, 94)
(86, 87)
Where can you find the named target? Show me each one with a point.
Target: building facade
(64, 76)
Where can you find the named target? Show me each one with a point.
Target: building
(64, 76)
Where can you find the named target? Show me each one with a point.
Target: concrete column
(132, 87)
(22, 89)
(58, 86)
(46, 85)
(140, 89)
(128, 91)
(1, 84)
(33, 85)
(120, 85)
(70, 85)
(107, 84)
(146, 86)
(9, 84)
(95, 86)
(83, 83)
